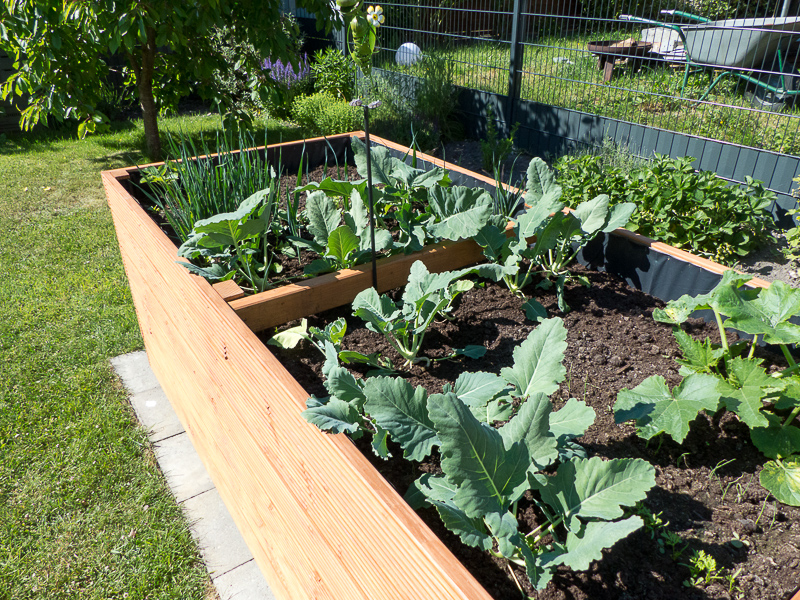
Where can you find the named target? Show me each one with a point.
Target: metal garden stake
(367, 107)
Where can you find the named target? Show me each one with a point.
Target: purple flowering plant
(285, 73)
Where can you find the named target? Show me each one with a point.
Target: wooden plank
(229, 290)
(289, 302)
(293, 491)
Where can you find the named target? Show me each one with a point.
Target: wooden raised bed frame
(320, 521)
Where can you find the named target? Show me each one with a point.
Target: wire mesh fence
(721, 69)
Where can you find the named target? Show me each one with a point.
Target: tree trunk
(147, 101)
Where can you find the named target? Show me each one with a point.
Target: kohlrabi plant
(487, 470)
(323, 340)
(426, 295)
(729, 375)
(341, 237)
(547, 237)
(236, 244)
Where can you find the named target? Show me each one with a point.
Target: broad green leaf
(724, 293)
(700, 357)
(461, 212)
(337, 416)
(489, 476)
(537, 361)
(503, 526)
(655, 409)
(768, 314)
(540, 183)
(430, 487)
(776, 441)
(496, 411)
(214, 272)
(343, 385)
(476, 389)
(225, 229)
(782, 479)
(341, 243)
(402, 411)
(531, 426)
(745, 395)
(571, 420)
(381, 161)
(334, 187)
(439, 493)
(534, 311)
(289, 338)
(375, 310)
(323, 216)
(588, 544)
(470, 351)
(592, 214)
(594, 488)
(380, 443)
(618, 216)
(530, 222)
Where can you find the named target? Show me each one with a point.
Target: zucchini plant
(730, 376)
(487, 470)
(557, 235)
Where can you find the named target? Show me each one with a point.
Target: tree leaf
(531, 425)
(402, 410)
(782, 479)
(655, 409)
(489, 476)
(537, 361)
(594, 488)
(588, 544)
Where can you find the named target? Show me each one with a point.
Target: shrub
(693, 210)
(324, 114)
(334, 73)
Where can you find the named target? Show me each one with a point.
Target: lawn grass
(559, 71)
(84, 511)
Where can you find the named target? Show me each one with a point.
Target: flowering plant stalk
(363, 29)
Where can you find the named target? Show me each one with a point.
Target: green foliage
(60, 49)
(324, 114)
(677, 205)
(702, 569)
(342, 238)
(495, 149)
(189, 189)
(486, 470)
(404, 325)
(435, 103)
(559, 235)
(334, 74)
(724, 375)
(236, 243)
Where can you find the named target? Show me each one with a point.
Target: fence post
(515, 61)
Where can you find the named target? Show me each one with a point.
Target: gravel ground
(767, 263)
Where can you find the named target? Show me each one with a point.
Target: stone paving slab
(228, 559)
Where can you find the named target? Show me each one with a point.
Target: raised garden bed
(319, 519)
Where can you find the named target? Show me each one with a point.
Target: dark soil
(707, 489)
